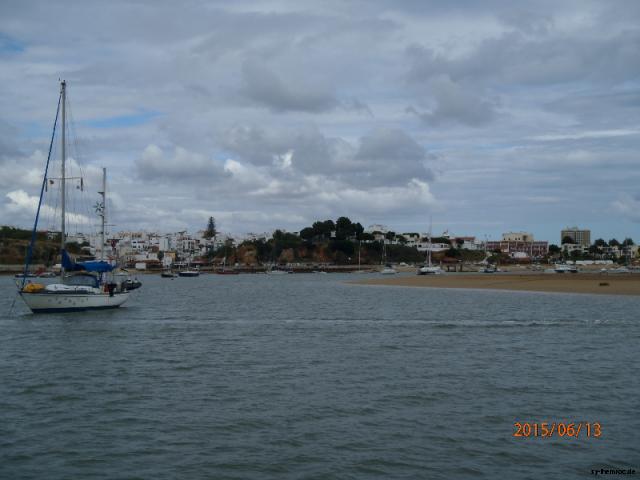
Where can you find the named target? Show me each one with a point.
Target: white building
(376, 228)
(517, 237)
(424, 246)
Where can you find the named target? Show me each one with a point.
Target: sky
(486, 117)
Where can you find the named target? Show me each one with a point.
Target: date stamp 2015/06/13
(557, 429)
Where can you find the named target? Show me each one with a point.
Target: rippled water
(305, 376)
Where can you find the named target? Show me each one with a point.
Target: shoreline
(585, 283)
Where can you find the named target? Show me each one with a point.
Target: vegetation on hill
(341, 242)
(14, 244)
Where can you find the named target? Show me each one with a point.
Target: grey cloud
(546, 59)
(391, 157)
(531, 22)
(269, 89)
(313, 152)
(357, 106)
(9, 148)
(182, 166)
(628, 205)
(456, 104)
(622, 106)
(382, 157)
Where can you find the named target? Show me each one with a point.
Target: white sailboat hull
(72, 302)
(430, 271)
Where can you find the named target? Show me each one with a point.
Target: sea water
(307, 376)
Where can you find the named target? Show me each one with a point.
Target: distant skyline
(488, 117)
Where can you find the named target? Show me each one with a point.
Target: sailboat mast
(429, 251)
(103, 214)
(63, 91)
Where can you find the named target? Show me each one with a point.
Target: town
(339, 243)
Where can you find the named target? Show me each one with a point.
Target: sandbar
(588, 283)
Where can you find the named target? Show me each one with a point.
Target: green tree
(600, 243)
(283, 240)
(439, 240)
(344, 228)
(324, 229)
(367, 237)
(210, 232)
(614, 243)
(628, 242)
(567, 239)
(307, 233)
(554, 249)
(345, 246)
(453, 252)
(358, 230)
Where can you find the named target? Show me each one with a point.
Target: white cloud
(21, 204)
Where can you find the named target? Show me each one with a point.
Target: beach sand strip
(599, 284)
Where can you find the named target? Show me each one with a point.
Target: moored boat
(189, 273)
(428, 268)
(87, 285)
(388, 270)
(564, 268)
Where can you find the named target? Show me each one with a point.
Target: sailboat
(359, 262)
(83, 285)
(429, 269)
(388, 268)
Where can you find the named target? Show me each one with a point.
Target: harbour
(308, 376)
(309, 240)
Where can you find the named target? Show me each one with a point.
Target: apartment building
(578, 235)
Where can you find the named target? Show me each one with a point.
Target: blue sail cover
(98, 266)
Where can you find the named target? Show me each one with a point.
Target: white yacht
(564, 268)
(83, 285)
(429, 269)
(388, 270)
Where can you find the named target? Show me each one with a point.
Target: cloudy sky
(487, 116)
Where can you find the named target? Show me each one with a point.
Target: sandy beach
(589, 283)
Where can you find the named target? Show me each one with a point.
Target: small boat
(620, 270)
(226, 271)
(564, 268)
(189, 273)
(388, 270)
(168, 274)
(123, 277)
(489, 269)
(130, 284)
(277, 271)
(430, 270)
